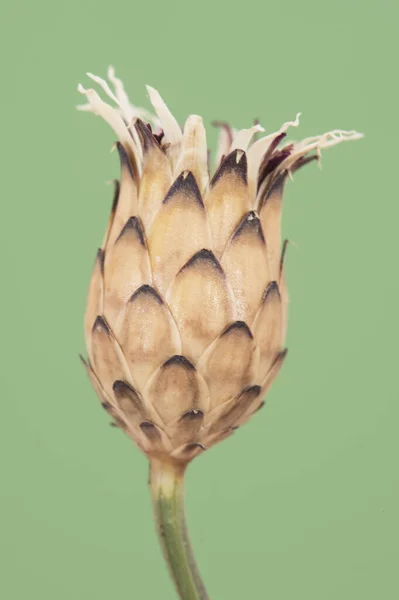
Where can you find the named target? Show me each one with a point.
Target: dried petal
(188, 451)
(194, 152)
(157, 175)
(175, 388)
(246, 266)
(127, 202)
(270, 216)
(224, 142)
(243, 137)
(283, 291)
(236, 409)
(179, 230)
(127, 267)
(273, 371)
(103, 396)
(201, 302)
(318, 143)
(268, 328)
(148, 334)
(187, 427)
(129, 401)
(155, 439)
(267, 383)
(230, 363)
(113, 118)
(109, 362)
(228, 199)
(173, 133)
(94, 304)
(258, 150)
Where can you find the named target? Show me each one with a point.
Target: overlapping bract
(187, 305)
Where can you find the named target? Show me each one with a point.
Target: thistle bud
(187, 306)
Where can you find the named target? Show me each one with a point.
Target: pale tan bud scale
(187, 306)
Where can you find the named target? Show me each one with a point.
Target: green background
(301, 503)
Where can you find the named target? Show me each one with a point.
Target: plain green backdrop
(302, 502)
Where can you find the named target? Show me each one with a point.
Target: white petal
(257, 151)
(105, 87)
(112, 117)
(121, 95)
(128, 115)
(243, 137)
(169, 124)
(224, 143)
(194, 152)
(128, 110)
(327, 140)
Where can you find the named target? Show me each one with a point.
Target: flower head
(187, 306)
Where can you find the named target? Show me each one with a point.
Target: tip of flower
(289, 124)
(121, 115)
(168, 122)
(83, 107)
(353, 135)
(91, 96)
(318, 143)
(155, 97)
(193, 120)
(151, 91)
(336, 136)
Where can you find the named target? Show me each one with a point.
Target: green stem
(167, 490)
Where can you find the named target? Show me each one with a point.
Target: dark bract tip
(192, 415)
(250, 224)
(253, 391)
(100, 258)
(230, 166)
(237, 326)
(146, 136)
(185, 185)
(146, 290)
(124, 159)
(133, 225)
(122, 388)
(84, 361)
(179, 360)
(147, 426)
(205, 256)
(192, 447)
(271, 290)
(100, 324)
